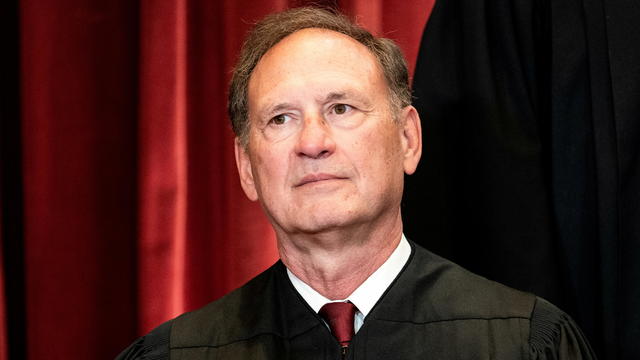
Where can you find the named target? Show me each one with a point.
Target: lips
(313, 178)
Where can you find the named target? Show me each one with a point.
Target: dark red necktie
(339, 316)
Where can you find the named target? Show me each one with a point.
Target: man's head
(326, 147)
(276, 27)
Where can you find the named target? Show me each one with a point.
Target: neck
(336, 262)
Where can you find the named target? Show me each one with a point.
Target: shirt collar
(370, 291)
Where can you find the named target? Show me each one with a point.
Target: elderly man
(325, 133)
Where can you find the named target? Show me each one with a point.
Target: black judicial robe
(531, 133)
(434, 309)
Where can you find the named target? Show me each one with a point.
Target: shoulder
(437, 291)
(554, 332)
(236, 315)
(154, 345)
(442, 291)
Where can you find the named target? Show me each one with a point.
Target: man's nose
(315, 138)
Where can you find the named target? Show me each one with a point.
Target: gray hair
(275, 27)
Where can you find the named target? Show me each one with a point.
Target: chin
(313, 226)
(319, 223)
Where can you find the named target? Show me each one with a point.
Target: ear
(411, 139)
(243, 162)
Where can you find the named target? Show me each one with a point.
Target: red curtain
(132, 208)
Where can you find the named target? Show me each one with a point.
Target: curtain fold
(532, 137)
(162, 160)
(133, 212)
(78, 119)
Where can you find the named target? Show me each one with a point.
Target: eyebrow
(332, 96)
(340, 95)
(272, 110)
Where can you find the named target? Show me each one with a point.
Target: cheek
(387, 154)
(383, 142)
(269, 168)
(374, 156)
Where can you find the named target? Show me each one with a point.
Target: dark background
(531, 167)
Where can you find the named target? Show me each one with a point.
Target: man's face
(324, 151)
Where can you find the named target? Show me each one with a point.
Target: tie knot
(339, 316)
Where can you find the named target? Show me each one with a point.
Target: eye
(340, 109)
(280, 119)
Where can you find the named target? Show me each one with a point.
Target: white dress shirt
(368, 293)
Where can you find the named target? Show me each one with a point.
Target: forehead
(313, 56)
(315, 41)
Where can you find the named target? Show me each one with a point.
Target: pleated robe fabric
(434, 309)
(531, 166)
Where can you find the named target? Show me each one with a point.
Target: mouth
(316, 178)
